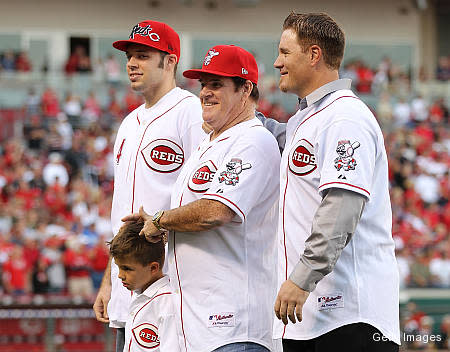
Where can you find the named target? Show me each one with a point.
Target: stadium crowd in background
(56, 182)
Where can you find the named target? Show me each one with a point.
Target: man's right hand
(101, 303)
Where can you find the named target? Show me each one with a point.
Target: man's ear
(248, 87)
(315, 54)
(171, 60)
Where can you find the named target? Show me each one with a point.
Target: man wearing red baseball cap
(222, 218)
(152, 144)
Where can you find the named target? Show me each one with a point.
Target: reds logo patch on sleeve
(302, 160)
(163, 155)
(201, 178)
(146, 335)
(231, 175)
(345, 159)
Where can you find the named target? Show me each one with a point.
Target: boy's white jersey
(152, 323)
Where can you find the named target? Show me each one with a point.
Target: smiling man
(337, 271)
(152, 144)
(222, 224)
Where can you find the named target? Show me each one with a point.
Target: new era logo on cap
(154, 34)
(228, 61)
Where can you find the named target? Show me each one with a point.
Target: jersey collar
(154, 288)
(319, 93)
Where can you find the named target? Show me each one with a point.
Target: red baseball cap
(155, 34)
(228, 61)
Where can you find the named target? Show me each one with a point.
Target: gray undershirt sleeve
(332, 229)
(278, 129)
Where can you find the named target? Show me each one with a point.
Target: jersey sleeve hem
(346, 186)
(227, 202)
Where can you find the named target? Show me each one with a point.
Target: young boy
(151, 323)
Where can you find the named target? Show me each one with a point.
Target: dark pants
(358, 337)
(120, 339)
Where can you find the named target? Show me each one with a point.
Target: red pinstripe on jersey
(137, 152)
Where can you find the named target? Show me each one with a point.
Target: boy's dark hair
(128, 244)
(318, 29)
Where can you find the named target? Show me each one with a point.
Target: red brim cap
(227, 61)
(153, 34)
(197, 73)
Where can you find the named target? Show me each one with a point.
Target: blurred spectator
(50, 104)
(32, 103)
(384, 112)
(440, 268)
(78, 61)
(92, 111)
(420, 271)
(365, 78)
(16, 272)
(401, 113)
(444, 331)
(52, 254)
(34, 133)
(77, 263)
(439, 112)
(54, 171)
(443, 69)
(40, 278)
(53, 139)
(419, 109)
(350, 71)
(112, 70)
(22, 63)
(64, 129)
(72, 107)
(8, 61)
(99, 256)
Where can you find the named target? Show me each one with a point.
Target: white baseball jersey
(151, 147)
(337, 143)
(226, 277)
(152, 322)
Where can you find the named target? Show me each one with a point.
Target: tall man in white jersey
(222, 239)
(152, 144)
(337, 271)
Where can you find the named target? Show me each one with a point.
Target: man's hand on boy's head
(151, 233)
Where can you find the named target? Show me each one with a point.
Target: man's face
(134, 275)
(221, 103)
(293, 64)
(144, 68)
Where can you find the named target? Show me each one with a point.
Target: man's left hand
(290, 299)
(151, 233)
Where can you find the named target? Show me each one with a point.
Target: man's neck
(320, 79)
(247, 114)
(165, 88)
